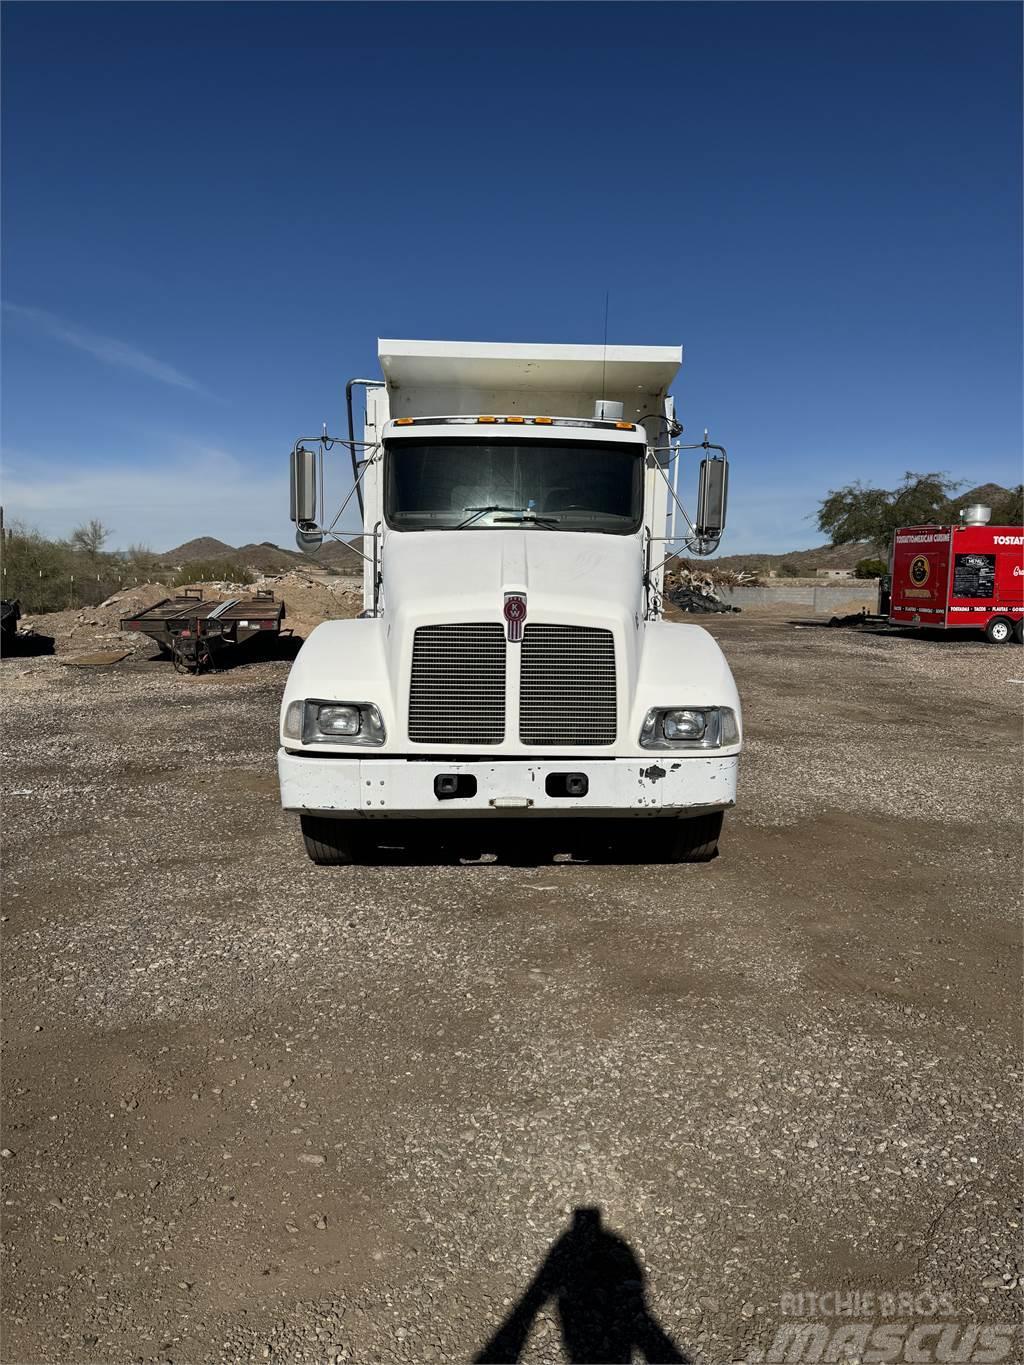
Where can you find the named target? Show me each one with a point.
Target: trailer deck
(193, 630)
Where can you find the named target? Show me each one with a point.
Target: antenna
(604, 356)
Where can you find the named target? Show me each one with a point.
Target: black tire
(1018, 631)
(330, 843)
(694, 839)
(999, 630)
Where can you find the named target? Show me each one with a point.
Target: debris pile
(310, 598)
(695, 590)
(99, 628)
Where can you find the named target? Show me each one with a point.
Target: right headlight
(689, 727)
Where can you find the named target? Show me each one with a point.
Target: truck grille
(457, 690)
(567, 686)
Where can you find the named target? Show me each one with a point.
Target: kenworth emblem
(515, 615)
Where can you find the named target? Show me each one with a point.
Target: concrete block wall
(812, 597)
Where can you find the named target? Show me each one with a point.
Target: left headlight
(689, 727)
(334, 722)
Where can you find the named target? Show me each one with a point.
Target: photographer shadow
(596, 1283)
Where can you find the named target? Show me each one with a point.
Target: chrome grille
(457, 689)
(567, 686)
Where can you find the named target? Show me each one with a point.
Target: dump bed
(456, 378)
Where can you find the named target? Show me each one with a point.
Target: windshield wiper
(531, 519)
(480, 511)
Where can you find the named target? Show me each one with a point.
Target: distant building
(833, 573)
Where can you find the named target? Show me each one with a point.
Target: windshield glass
(551, 485)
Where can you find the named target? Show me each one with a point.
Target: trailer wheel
(694, 838)
(329, 843)
(999, 630)
(1018, 631)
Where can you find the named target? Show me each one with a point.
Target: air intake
(976, 515)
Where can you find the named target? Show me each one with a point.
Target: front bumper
(375, 788)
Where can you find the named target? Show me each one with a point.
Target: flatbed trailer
(193, 631)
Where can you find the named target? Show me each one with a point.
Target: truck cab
(512, 661)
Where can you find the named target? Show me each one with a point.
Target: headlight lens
(334, 722)
(684, 724)
(704, 727)
(338, 720)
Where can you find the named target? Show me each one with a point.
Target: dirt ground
(258, 1110)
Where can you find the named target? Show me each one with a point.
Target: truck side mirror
(303, 485)
(711, 497)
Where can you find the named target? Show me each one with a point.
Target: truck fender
(682, 665)
(343, 661)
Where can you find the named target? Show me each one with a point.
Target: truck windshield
(549, 485)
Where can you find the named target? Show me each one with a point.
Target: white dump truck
(512, 662)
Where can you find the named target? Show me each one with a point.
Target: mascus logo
(515, 615)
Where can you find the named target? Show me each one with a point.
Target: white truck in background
(512, 662)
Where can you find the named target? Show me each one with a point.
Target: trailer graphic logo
(515, 615)
(920, 570)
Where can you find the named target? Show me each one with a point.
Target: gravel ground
(257, 1110)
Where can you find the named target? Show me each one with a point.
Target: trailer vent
(457, 690)
(567, 686)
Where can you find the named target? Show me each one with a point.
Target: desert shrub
(52, 575)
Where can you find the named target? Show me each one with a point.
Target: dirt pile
(88, 629)
(310, 599)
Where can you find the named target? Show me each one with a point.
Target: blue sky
(212, 211)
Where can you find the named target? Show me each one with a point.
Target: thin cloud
(120, 354)
(151, 501)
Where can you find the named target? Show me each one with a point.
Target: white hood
(572, 577)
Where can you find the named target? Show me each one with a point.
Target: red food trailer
(960, 577)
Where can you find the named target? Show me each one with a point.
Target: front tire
(330, 843)
(999, 630)
(694, 838)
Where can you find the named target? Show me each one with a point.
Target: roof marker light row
(512, 421)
